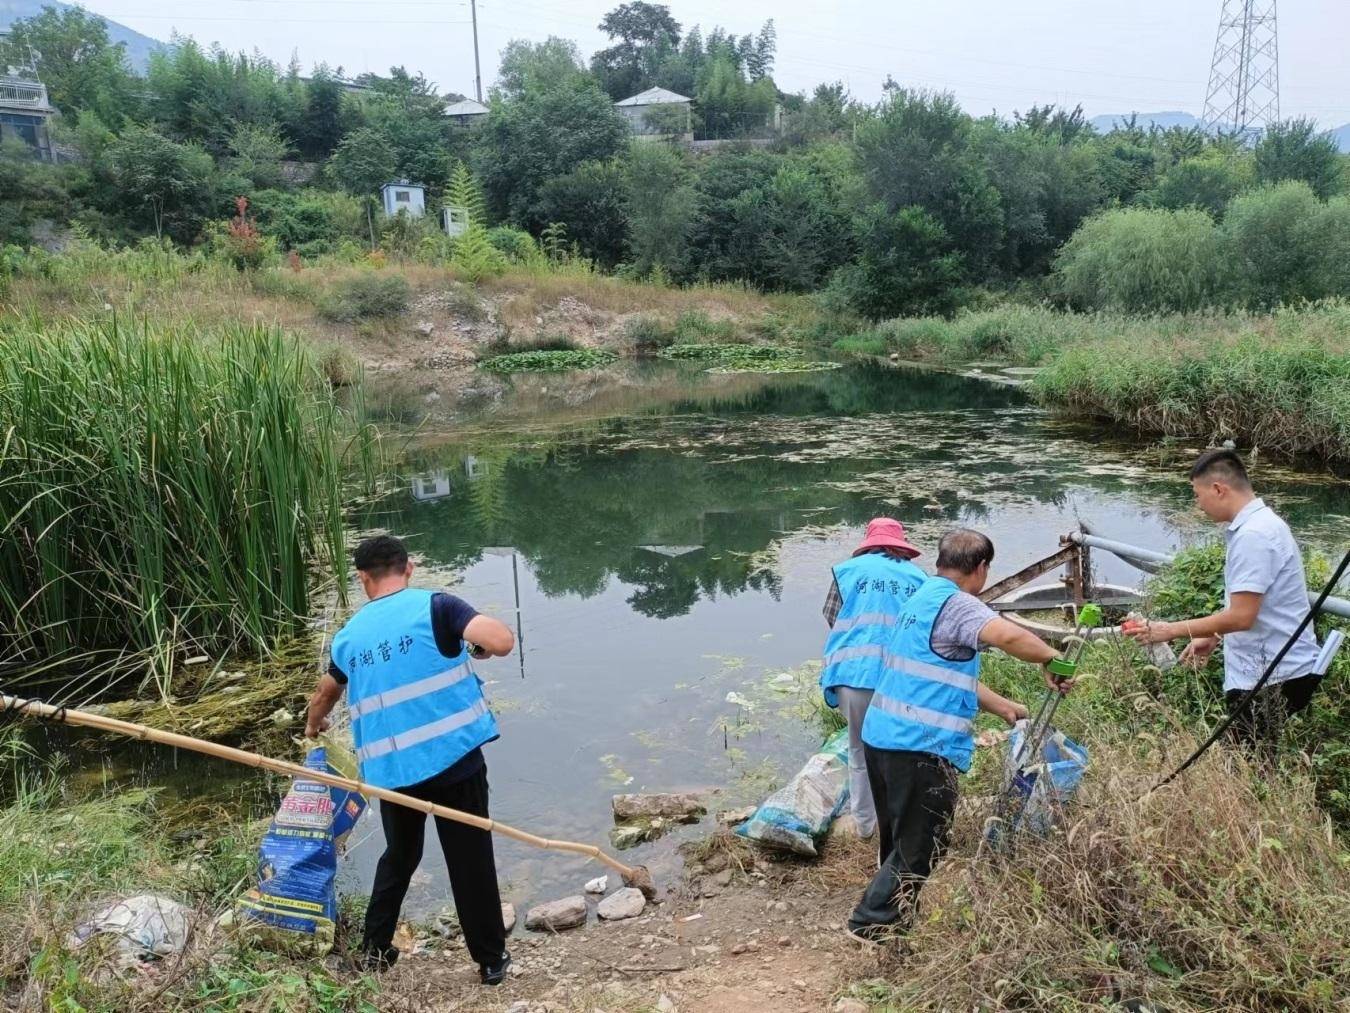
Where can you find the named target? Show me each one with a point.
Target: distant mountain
(1342, 135)
(1162, 120)
(138, 46)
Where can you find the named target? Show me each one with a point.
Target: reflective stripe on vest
(924, 702)
(423, 733)
(415, 712)
(411, 691)
(873, 588)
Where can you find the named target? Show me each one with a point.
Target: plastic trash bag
(294, 906)
(144, 927)
(799, 814)
(1039, 790)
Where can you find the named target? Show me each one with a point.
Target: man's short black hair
(381, 555)
(1221, 466)
(964, 550)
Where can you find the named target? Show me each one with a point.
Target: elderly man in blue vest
(865, 598)
(419, 720)
(918, 734)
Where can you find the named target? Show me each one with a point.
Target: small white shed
(404, 196)
(658, 112)
(466, 113)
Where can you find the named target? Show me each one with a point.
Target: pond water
(665, 544)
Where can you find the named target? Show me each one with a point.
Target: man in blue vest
(419, 721)
(865, 598)
(918, 732)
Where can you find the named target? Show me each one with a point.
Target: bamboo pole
(637, 876)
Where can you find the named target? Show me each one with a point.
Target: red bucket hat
(885, 532)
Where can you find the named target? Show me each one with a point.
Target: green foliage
(906, 265)
(162, 186)
(518, 247)
(1277, 240)
(1296, 150)
(257, 151)
(660, 207)
(82, 69)
(463, 191)
(591, 203)
(1207, 181)
(548, 117)
(475, 257)
(1141, 260)
(311, 222)
(366, 295)
(543, 360)
(363, 162)
(216, 459)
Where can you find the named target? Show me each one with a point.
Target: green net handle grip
(1090, 615)
(1061, 669)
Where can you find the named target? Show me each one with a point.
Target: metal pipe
(1333, 606)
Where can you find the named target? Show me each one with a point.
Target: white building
(404, 196)
(658, 113)
(467, 113)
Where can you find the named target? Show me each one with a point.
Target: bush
(365, 296)
(648, 334)
(1142, 260)
(517, 245)
(1276, 243)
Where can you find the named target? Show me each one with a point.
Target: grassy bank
(1278, 381)
(166, 492)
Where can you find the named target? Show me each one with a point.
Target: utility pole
(1244, 78)
(477, 71)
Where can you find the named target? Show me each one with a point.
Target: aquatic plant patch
(548, 361)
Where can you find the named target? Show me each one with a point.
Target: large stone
(557, 915)
(645, 807)
(851, 1006)
(508, 917)
(625, 903)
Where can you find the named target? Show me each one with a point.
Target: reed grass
(164, 492)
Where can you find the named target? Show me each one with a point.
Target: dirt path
(740, 932)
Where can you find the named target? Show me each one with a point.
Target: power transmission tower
(1244, 80)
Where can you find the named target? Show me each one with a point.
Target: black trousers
(468, 857)
(915, 795)
(1263, 724)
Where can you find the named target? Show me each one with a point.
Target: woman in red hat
(866, 595)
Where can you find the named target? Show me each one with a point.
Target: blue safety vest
(874, 588)
(924, 702)
(415, 712)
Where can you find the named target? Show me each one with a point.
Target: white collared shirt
(1264, 558)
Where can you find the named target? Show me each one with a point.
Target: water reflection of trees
(676, 508)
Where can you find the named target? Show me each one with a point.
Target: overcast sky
(1144, 55)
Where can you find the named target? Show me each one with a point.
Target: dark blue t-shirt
(449, 616)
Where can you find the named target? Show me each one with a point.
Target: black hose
(1265, 677)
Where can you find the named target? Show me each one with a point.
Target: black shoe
(495, 974)
(377, 958)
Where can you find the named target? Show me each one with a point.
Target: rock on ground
(625, 903)
(557, 915)
(850, 1006)
(509, 917)
(598, 885)
(641, 807)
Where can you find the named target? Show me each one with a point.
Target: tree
(257, 151)
(644, 35)
(81, 68)
(730, 106)
(916, 151)
(1272, 241)
(321, 125)
(660, 207)
(363, 162)
(1208, 181)
(1142, 260)
(159, 185)
(548, 117)
(906, 266)
(591, 202)
(760, 55)
(538, 66)
(1295, 149)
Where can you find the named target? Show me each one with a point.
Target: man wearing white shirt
(1265, 599)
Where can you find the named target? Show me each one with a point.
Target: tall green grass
(163, 493)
